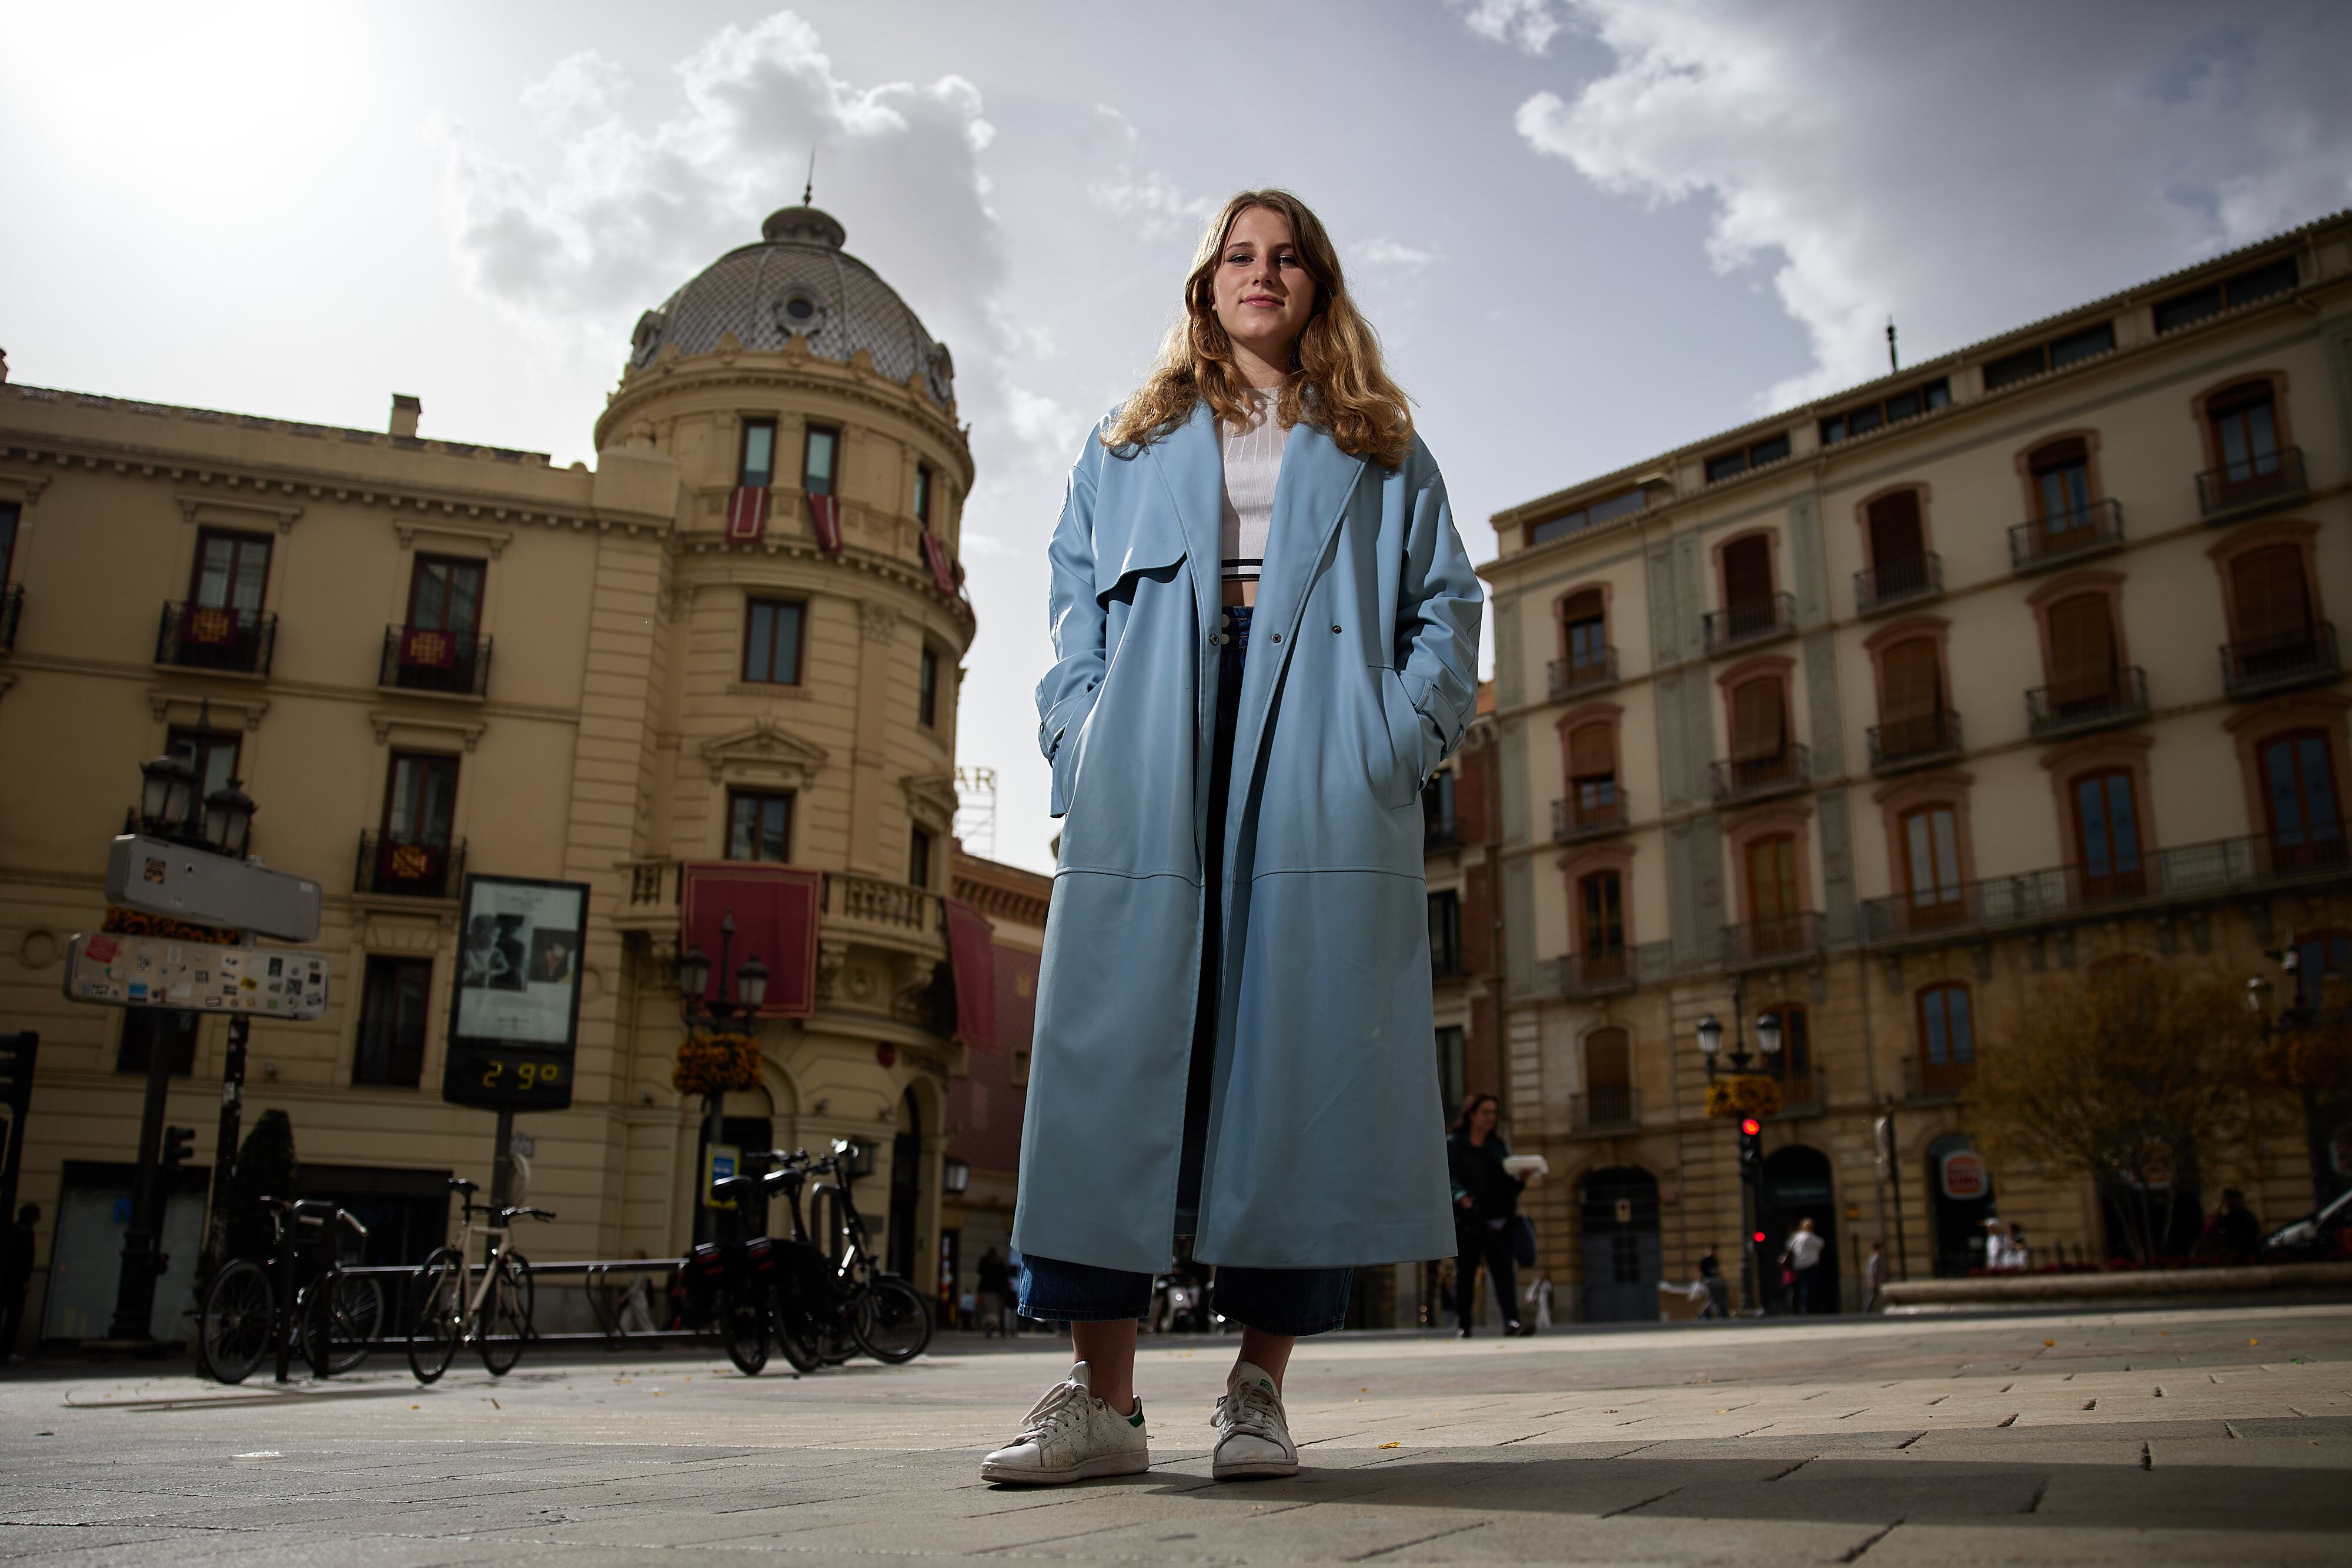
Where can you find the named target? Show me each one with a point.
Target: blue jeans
(1294, 1302)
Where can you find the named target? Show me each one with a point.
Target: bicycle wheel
(233, 1326)
(440, 1326)
(743, 1325)
(893, 1323)
(344, 1319)
(506, 1316)
(800, 1331)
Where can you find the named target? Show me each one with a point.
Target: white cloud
(1389, 252)
(1962, 169)
(1152, 203)
(1527, 26)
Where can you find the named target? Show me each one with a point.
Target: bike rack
(593, 1272)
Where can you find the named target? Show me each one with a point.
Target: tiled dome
(797, 282)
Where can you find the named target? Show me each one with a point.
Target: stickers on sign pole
(123, 971)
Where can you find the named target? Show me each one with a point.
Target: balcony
(1604, 972)
(1911, 579)
(1573, 821)
(1576, 677)
(1804, 1095)
(209, 637)
(12, 610)
(424, 659)
(1601, 1113)
(1752, 622)
(1761, 778)
(389, 868)
(2042, 543)
(2257, 668)
(1438, 833)
(2251, 486)
(872, 909)
(2052, 717)
(2222, 868)
(1929, 1083)
(1771, 944)
(1903, 744)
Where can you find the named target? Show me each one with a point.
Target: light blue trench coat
(1326, 1143)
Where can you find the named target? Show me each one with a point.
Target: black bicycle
(301, 1297)
(496, 1315)
(730, 1283)
(883, 1313)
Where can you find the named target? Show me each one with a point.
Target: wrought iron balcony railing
(1802, 1094)
(1600, 972)
(1573, 821)
(1755, 777)
(1574, 677)
(1907, 580)
(1760, 944)
(12, 610)
(388, 866)
(2250, 483)
(2052, 712)
(2090, 529)
(1902, 744)
(2262, 665)
(2184, 875)
(1750, 620)
(211, 637)
(1929, 1083)
(1612, 1108)
(425, 659)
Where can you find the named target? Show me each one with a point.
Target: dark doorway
(1796, 1185)
(1959, 1199)
(406, 1211)
(906, 1186)
(1623, 1255)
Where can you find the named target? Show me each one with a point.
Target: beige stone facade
(631, 688)
(1873, 712)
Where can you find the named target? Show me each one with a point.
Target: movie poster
(518, 961)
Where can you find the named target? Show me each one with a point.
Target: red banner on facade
(747, 513)
(971, 956)
(775, 913)
(942, 568)
(825, 515)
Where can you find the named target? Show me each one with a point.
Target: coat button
(1277, 636)
(1335, 628)
(1213, 639)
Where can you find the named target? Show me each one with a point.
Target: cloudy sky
(1588, 229)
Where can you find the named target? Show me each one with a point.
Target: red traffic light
(1749, 1126)
(1760, 1238)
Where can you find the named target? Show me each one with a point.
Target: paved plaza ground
(2153, 1438)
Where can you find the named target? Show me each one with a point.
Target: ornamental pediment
(932, 798)
(764, 749)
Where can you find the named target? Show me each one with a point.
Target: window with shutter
(2273, 607)
(1895, 531)
(1584, 635)
(1592, 772)
(1772, 900)
(1601, 897)
(2081, 652)
(1747, 575)
(1609, 1075)
(1912, 681)
(1759, 731)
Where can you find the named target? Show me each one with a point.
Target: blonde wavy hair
(1337, 381)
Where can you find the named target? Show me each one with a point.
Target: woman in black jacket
(1486, 1206)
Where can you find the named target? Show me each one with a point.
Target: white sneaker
(1253, 1439)
(1071, 1436)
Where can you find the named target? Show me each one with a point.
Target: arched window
(2302, 801)
(1947, 1039)
(2061, 491)
(1608, 1076)
(1931, 865)
(1911, 699)
(2270, 603)
(1592, 775)
(1584, 640)
(1600, 920)
(2083, 665)
(1775, 913)
(1898, 548)
(1747, 602)
(2244, 421)
(2107, 836)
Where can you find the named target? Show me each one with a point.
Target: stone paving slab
(2220, 1436)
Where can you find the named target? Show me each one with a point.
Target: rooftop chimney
(404, 410)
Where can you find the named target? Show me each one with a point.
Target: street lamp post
(740, 999)
(1710, 1047)
(2302, 1011)
(222, 822)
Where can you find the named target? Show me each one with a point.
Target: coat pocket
(1402, 724)
(1154, 547)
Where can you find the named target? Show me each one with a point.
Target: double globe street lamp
(739, 1001)
(1752, 1126)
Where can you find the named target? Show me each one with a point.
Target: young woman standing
(1485, 1207)
(1267, 633)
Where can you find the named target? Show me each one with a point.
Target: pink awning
(775, 910)
(970, 942)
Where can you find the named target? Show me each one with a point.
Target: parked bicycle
(496, 1313)
(732, 1283)
(881, 1313)
(299, 1298)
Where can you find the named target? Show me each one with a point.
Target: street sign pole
(503, 1163)
(232, 1113)
(134, 1288)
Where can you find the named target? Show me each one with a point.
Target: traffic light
(179, 1146)
(1751, 1145)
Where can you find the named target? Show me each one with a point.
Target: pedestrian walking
(2233, 1235)
(995, 1284)
(637, 1301)
(1717, 1289)
(1485, 1209)
(1802, 1257)
(1539, 1298)
(17, 1276)
(1873, 1275)
(1266, 635)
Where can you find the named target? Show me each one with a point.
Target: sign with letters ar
(514, 1013)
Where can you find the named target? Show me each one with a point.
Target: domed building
(713, 678)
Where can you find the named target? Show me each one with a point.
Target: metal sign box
(202, 976)
(160, 877)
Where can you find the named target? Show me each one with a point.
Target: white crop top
(1252, 462)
